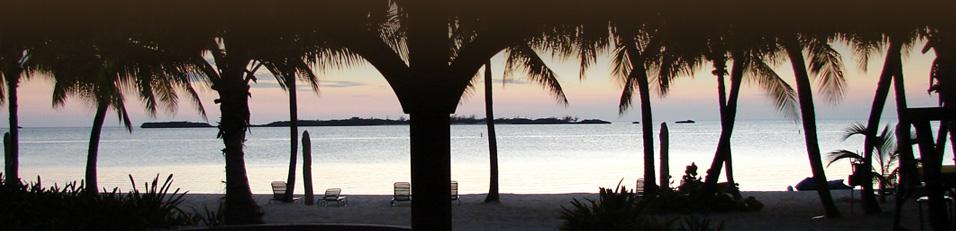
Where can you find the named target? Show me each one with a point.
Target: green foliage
(694, 223)
(33, 207)
(688, 197)
(622, 209)
(886, 156)
(210, 217)
(613, 210)
(690, 183)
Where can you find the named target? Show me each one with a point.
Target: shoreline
(783, 211)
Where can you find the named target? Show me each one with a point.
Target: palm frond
(523, 57)
(843, 154)
(856, 128)
(783, 95)
(827, 64)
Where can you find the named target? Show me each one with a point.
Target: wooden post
(665, 168)
(307, 168)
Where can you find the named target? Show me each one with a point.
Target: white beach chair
(334, 195)
(454, 192)
(278, 192)
(403, 192)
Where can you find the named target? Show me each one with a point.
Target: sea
(533, 159)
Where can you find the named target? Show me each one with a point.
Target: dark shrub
(623, 210)
(33, 207)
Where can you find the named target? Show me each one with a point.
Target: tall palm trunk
(805, 95)
(91, 154)
(294, 134)
(870, 206)
(639, 73)
(904, 139)
(720, 68)
(12, 148)
(233, 91)
(727, 120)
(492, 138)
(648, 135)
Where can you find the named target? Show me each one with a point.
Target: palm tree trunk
(294, 134)
(650, 188)
(431, 170)
(12, 148)
(639, 72)
(233, 91)
(729, 161)
(795, 52)
(91, 154)
(873, 123)
(727, 120)
(492, 138)
(904, 146)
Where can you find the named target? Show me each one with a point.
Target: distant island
(175, 124)
(684, 122)
(356, 121)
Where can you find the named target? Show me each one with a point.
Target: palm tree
(865, 44)
(288, 66)
(518, 57)
(100, 71)
(13, 63)
(285, 72)
(637, 49)
(887, 156)
(826, 64)
(748, 60)
(492, 139)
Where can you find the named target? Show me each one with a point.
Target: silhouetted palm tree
(865, 44)
(14, 58)
(286, 72)
(637, 50)
(99, 71)
(518, 57)
(826, 63)
(749, 59)
(885, 146)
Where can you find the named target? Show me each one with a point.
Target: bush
(620, 209)
(689, 197)
(33, 207)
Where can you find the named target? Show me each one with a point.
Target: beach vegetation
(623, 209)
(887, 170)
(689, 197)
(31, 206)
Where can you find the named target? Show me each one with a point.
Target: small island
(356, 121)
(175, 124)
(684, 122)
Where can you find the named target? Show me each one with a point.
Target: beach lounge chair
(334, 195)
(639, 187)
(454, 192)
(403, 192)
(278, 192)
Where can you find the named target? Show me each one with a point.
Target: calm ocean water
(768, 156)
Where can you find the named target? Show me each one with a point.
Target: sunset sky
(361, 91)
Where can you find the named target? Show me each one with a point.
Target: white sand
(782, 211)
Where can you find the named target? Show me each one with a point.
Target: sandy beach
(783, 211)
